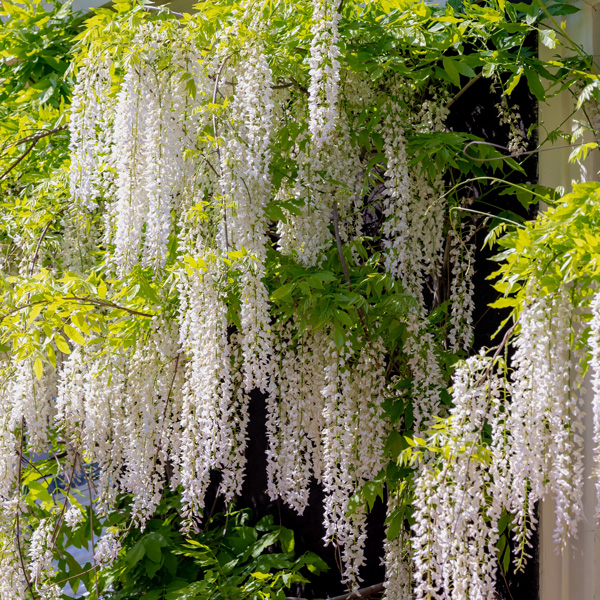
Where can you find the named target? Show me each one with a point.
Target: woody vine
(267, 198)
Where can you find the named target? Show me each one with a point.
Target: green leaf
(35, 311)
(513, 82)
(283, 292)
(451, 70)
(61, 343)
(504, 303)
(153, 550)
(151, 567)
(38, 367)
(136, 554)
(74, 334)
(315, 564)
(51, 355)
(548, 38)
(286, 539)
(262, 576)
(535, 84)
(38, 491)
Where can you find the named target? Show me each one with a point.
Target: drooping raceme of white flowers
(89, 130)
(32, 402)
(352, 447)
(328, 164)
(152, 125)
(41, 559)
(595, 375)
(214, 410)
(248, 186)
(107, 548)
(324, 73)
(462, 259)
(12, 585)
(455, 530)
(546, 390)
(397, 560)
(459, 504)
(295, 415)
(412, 240)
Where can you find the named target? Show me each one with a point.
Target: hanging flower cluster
(152, 119)
(352, 447)
(89, 128)
(547, 391)
(296, 403)
(457, 513)
(462, 259)
(460, 503)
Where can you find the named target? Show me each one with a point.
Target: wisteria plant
(276, 199)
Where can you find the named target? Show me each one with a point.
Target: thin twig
(95, 567)
(464, 89)
(39, 243)
(74, 576)
(19, 160)
(104, 303)
(338, 241)
(34, 140)
(300, 87)
(215, 131)
(29, 463)
(514, 154)
(18, 518)
(362, 593)
(161, 8)
(36, 136)
(357, 595)
(109, 304)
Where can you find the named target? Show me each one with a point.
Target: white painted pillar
(574, 574)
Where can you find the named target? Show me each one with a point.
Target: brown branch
(19, 160)
(34, 140)
(39, 244)
(300, 87)
(464, 89)
(104, 303)
(18, 518)
(282, 86)
(74, 576)
(108, 304)
(215, 131)
(20, 308)
(362, 593)
(37, 136)
(366, 592)
(338, 241)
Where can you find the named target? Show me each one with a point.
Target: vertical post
(574, 574)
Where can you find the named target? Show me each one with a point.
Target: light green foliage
(561, 246)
